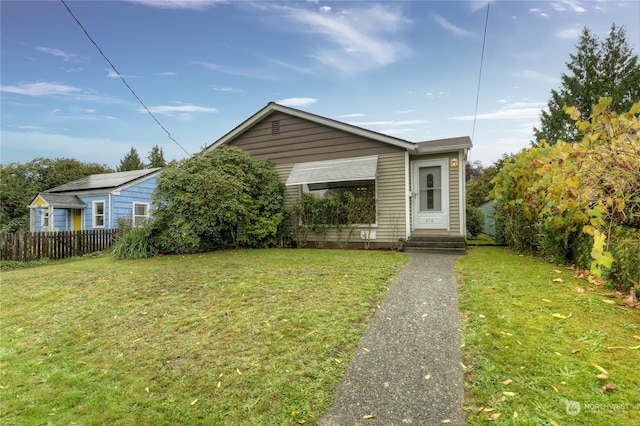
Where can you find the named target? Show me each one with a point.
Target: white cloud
(297, 102)
(355, 39)
(58, 52)
(515, 111)
(170, 109)
(390, 123)
(570, 33)
(351, 115)
(538, 12)
(565, 5)
(112, 74)
(325, 9)
(452, 28)
(227, 89)
(41, 89)
(179, 4)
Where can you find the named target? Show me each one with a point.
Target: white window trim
(94, 216)
(133, 212)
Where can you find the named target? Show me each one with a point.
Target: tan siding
(390, 193)
(301, 141)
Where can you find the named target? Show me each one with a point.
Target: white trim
(444, 212)
(94, 225)
(133, 211)
(272, 106)
(407, 195)
(462, 202)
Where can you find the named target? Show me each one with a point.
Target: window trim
(95, 215)
(133, 212)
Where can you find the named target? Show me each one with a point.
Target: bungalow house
(94, 202)
(419, 187)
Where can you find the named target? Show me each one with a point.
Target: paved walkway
(407, 367)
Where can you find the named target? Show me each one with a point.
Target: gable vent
(275, 127)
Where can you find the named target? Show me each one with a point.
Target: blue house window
(140, 213)
(98, 214)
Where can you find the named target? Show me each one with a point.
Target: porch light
(454, 163)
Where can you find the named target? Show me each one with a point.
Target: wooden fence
(26, 246)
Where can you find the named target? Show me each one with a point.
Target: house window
(362, 204)
(44, 220)
(140, 213)
(430, 189)
(98, 214)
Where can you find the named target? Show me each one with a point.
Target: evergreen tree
(156, 157)
(597, 70)
(131, 161)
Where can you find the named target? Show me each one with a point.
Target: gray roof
(103, 181)
(62, 201)
(444, 144)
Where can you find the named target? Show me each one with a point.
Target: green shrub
(134, 243)
(475, 221)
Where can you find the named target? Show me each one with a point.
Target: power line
(122, 78)
(484, 40)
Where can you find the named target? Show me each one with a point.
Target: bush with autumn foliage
(579, 202)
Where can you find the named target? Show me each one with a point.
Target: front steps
(453, 244)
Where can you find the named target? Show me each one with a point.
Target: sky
(409, 69)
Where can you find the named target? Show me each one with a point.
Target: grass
(533, 347)
(230, 337)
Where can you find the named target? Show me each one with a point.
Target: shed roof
(104, 181)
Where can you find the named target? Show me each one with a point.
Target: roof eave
(272, 107)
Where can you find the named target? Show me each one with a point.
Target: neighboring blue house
(94, 202)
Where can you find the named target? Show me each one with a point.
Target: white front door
(431, 194)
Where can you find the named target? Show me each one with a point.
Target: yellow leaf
(238, 371)
(515, 414)
(634, 347)
(506, 382)
(294, 413)
(554, 423)
(369, 416)
(194, 401)
(558, 280)
(302, 421)
(602, 376)
(427, 377)
(636, 337)
(219, 384)
(147, 389)
(555, 388)
(559, 316)
(446, 421)
(546, 300)
(495, 416)
(508, 393)
(365, 349)
(601, 369)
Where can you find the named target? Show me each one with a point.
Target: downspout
(407, 196)
(110, 212)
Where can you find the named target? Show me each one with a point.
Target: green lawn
(230, 337)
(534, 347)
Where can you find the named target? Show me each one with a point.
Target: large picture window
(98, 214)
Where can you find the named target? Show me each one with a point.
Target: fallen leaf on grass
(636, 337)
(611, 302)
(575, 351)
(562, 316)
(554, 423)
(608, 387)
(194, 401)
(515, 414)
(556, 271)
(546, 300)
(555, 388)
(580, 290)
(509, 393)
(601, 369)
(602, 376)
(506, 382)
(558, 280)
(238, 371)
(495, 416)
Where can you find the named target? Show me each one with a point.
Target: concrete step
(436, 244)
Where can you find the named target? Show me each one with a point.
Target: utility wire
(484, 40)
(122, 78)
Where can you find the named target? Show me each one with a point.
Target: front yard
(230, 337)
(542, 347)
